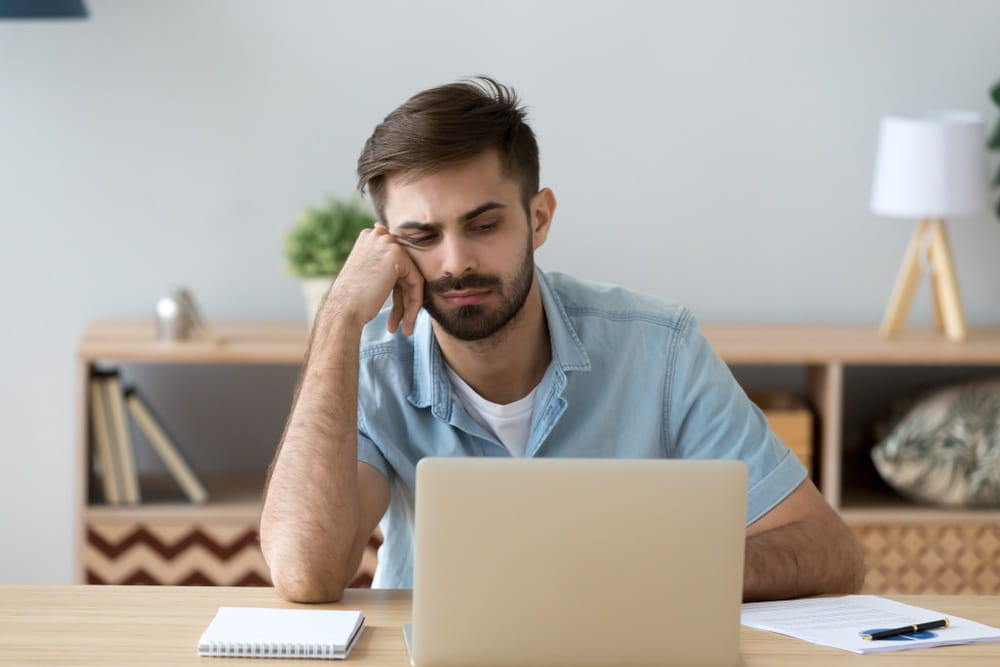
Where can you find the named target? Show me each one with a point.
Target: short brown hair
(448, 124)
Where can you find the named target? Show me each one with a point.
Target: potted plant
(319, 243)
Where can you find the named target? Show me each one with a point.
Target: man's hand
(377, 266)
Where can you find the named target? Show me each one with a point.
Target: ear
(543, 207)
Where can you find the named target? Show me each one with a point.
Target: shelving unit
(167, 540)
(910, 549)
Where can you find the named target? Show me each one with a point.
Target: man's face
(466, 229)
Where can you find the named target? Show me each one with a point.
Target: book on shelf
(121, 439)
(101, 426)
(165, 446)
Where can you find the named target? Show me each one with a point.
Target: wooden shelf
(862, 504)
(909, 513)
(823, 344)
(117, 544)
(286, 342)
(237, 342)
(229, 498)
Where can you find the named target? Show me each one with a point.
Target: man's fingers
(414, 301)
(397, 310)
(408, 294)
(402, 240)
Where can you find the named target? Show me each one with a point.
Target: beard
(477, 322)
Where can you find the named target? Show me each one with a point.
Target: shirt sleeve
(708, 416)
(368, 451)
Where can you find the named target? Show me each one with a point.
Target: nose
(457, 257)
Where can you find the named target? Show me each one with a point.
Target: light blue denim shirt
(631, 377)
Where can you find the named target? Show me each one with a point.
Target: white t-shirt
(510, 423)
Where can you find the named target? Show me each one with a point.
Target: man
(483, 354)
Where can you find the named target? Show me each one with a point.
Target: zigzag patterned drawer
(205, 554)
(216, 553)
(919, 558)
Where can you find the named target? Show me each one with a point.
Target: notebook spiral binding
(257, 650)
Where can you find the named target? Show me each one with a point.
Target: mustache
(467, 281)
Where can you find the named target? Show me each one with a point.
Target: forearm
(309, 522)
(807, 557)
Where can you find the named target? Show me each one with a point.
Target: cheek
(423, 260)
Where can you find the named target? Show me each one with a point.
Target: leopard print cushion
(945, 449)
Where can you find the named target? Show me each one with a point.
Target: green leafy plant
(994, 142)
(322, 238)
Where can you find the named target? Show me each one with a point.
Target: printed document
(841, 622)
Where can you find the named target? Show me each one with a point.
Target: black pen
(908, 629)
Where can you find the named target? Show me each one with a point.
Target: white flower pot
(314, 289)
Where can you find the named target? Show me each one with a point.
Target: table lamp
(929, 166)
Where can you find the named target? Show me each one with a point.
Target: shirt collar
(431, 385)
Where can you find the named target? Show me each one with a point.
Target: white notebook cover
(258, 632)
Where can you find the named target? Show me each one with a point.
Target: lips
(465, 297)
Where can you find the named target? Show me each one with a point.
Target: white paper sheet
(840, 622)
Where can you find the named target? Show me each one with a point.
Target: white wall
(718, 152)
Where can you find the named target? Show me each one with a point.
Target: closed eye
(484, 227)
(421, 239)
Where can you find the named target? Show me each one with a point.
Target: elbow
(301, 587)
(859, 570)
(854, 568)
(297, 580)
(853, 582)
(307, 592)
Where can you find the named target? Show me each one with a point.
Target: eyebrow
(465, 217)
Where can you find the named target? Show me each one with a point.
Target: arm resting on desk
(801, 547)
(320, 503)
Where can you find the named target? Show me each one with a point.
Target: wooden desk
(160, 625)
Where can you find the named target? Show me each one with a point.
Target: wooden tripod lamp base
(931, 238)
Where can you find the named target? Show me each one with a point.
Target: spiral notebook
(255, 632)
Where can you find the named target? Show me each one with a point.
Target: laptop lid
(578, 561)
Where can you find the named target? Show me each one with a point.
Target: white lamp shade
(930, 165)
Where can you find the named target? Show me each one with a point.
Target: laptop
(577, 562)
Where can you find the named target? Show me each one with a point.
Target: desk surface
(160, 625)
